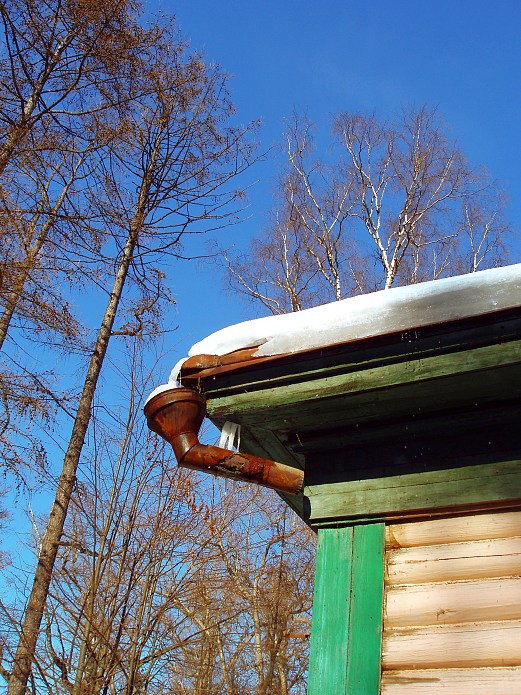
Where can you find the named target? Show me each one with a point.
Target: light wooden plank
(478, 681)
(449, 646)
(456, 529)
(365, 630)
(454, 602)
(453, 561)
(331, 602)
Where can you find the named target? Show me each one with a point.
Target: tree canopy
(395, 202)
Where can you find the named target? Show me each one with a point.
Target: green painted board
(251, 404)
(400, 494)
(366, 615)
(346, 634)
(403, 346)
(329, 633)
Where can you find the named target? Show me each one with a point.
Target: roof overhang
(372, 411)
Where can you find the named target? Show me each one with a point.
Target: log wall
(452, 607)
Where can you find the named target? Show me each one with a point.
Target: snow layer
(367, 315)
(172, 380)
(372, 314)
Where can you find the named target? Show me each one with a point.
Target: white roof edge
(368, 315)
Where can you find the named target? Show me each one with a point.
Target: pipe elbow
(177, 415)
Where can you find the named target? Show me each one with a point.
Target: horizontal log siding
(452, 611)
(456, 681)
(455, 561)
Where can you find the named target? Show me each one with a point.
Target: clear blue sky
(462, 56)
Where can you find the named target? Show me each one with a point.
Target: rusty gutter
(177, 414)
(207, 366)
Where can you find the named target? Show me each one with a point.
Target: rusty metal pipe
(177, 415)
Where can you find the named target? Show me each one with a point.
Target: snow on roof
(368, 315)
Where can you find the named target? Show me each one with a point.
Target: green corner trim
(329, 633)
(366, 615)
(346, 634)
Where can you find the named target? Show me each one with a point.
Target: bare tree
(61, 60)
(167, 581)
(252, 599)
(302, 257)
(171, 168)
(125, 565)
(39, 218)
(398, 203)
(124, 560)
(270, 565)
(62, 90)
(485, 229)
(39, 215)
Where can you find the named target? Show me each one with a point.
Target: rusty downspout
(177, 415)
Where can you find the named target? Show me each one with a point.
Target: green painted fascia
(400, 496)
(271, 403)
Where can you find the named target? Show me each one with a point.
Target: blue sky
(463, 56)
(323, 57)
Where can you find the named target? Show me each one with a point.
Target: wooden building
(407, 428)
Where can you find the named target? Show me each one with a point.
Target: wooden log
(454, 530)
(453, 561)
(475, 681)
(469, 645)
(453, 602)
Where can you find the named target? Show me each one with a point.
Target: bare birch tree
(396, 203)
